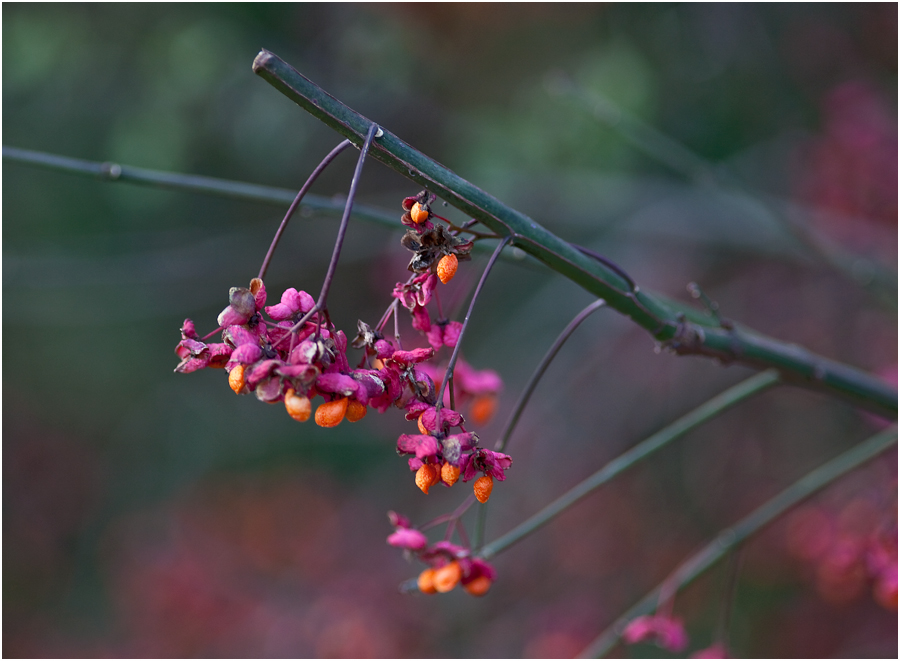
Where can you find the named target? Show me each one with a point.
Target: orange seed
(478, 587)
(426, 581)
(356, 411)
(419, 213)
(483, 487)
(483, 408)
(298, 407)
(449, 474)
(446, 578)
(422, 429)
(427, 476)
(330, 414)
(236, 379)
(446, 268)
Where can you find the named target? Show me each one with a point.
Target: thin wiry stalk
(731, 537)
(296, 203)
(698, 416)
(322, 302)
(539, 372)
(526, 396)
(455, 354)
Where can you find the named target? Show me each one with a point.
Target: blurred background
(749, 148)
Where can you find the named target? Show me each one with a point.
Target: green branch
(679, 329)
(731, 537)
(684, 424)
(237, 190)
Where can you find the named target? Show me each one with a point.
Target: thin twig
(698, 416)
(731, 537)
(455, 514)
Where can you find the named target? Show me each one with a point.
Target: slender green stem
(680, 329)
(731, 537)
(729, 598)
(238, 190)
(540, 369)
(698, 416)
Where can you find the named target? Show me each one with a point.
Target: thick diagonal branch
(682, 330)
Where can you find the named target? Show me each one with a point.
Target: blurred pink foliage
(849, 171)
(851, 548)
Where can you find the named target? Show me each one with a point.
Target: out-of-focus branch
(238, 190)
(669, 152)
(731, 537)
(709, 409)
